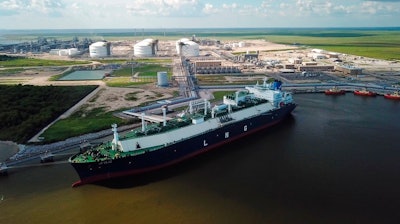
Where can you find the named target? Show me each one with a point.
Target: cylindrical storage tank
(63, 52)
(187, 48)
(162, 78)
(100, 49)
(145, 48)
(73, 51)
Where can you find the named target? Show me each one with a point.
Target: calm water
(85, 75)
(336, 160)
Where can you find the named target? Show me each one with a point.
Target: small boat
(392, 96)
(364, 92)
(334, 91)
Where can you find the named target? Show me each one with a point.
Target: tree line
(25, 109)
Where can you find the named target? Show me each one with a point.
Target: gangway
(151, 118)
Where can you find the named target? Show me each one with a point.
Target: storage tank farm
(187, 48)
(145, 48)
(100, 49)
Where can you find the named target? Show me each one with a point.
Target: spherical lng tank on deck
(100, 49)
(145, 48)
(186, 47)
(162, 78)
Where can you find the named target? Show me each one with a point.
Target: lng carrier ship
(195, 131)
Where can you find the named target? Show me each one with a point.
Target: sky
(105, 14)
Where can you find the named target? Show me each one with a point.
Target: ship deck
(105, 152)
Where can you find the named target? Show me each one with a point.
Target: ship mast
(116, 137)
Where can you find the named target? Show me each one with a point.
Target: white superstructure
(100, 49)
(186, 47)
(145, 48)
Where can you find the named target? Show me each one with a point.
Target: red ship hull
(334, 92)
(392, 96)
(364, 93)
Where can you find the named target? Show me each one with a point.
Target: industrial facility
(145, 48)
(65, 52)
(100, 49)
(187, 48)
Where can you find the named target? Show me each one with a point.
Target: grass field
(82, 122)
(146, 73)
(381, 44)
(7, 61)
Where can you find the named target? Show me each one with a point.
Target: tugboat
(364, 92)
(392, 96)
(334, 91)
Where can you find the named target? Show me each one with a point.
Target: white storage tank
(188, 48)
(63, 52)
(100, 49)
(162, 78)
(242, 44)
(145, 48)
(73, 51)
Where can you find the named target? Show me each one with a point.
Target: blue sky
(74, 14)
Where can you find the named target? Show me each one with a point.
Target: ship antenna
(164, 110)
(143, 123)
(116, 137)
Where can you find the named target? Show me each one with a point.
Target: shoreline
(8, 149)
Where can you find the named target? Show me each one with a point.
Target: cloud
(210, 9)
(13, 7)
(382, 0)
(165, 8)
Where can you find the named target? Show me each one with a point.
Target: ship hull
(364, 93)
(180, 151)
(392, 97)
(339, 92)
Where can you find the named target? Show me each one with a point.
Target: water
(85, 75)
(336, 160)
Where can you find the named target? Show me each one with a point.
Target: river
(335, 160)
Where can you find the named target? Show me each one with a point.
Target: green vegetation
(25, 110)
(111, 61)
(219, 95)
(211, 79)
(146, 73)
(132, 96)
(10, 71)
(82, 122)
(124, 82)
(138, 60)
(218, 79)
(154, 60)
(8, 61)
(368, 43)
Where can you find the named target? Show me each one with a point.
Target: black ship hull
(180, 151)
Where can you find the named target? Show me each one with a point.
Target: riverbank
(7, 149)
